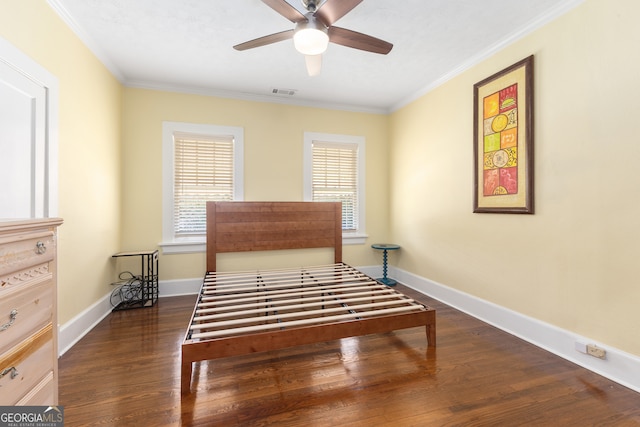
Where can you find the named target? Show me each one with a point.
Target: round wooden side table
(384, 247)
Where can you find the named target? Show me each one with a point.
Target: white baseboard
(174, 288)
(76, 328)
(619, 366)
(73, 330)
(372, 271)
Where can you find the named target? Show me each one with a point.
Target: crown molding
(89, 42)
(560, 9)
(272, 99)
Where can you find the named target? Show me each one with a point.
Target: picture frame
(503, 141)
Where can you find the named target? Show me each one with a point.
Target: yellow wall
(110, 157)
(574, 263)
(89, 150)
(273, 147)
(571, 264)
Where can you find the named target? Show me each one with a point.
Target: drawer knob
(12, 318)
(12, 370)
(40, 248)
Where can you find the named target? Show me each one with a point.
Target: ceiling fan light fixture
(310, 37)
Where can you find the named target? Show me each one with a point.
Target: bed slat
(217, 308)
(309, 321)
(312, 304)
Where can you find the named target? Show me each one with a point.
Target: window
(334, 172)
(200, 163)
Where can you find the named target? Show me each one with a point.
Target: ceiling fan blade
(314, 64)
(285, 9)
(358, 40)
(332, 10)
(262, 41)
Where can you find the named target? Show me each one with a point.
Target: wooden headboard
(263, 226)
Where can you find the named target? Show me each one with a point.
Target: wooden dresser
(28, 320)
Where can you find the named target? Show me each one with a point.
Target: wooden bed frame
(236, 314)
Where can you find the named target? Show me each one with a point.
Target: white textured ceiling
(186, 45)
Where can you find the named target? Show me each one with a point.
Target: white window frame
(189, 244)
(358, 236)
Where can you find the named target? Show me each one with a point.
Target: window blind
(335, 178)
(203, 171)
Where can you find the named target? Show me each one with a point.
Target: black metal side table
(384, 247)
(138, 291)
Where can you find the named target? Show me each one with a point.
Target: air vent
(285, 92)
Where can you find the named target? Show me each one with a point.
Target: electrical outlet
(595, 351)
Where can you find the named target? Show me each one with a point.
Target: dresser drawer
(19, 252)
(43, 394)
(24, 310)
(26, 365)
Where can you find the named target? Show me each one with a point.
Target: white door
(25, 138)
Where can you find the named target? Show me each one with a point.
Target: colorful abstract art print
(503, 141)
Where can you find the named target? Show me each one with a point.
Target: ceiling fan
(314, 30)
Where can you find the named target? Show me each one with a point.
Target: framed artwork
(503, 141)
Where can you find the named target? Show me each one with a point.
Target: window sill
(197, 246)
(186, 247)
(354, 239)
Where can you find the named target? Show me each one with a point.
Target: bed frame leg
(431, 335)
(185, 379)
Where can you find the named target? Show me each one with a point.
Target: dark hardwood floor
(126, 371)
